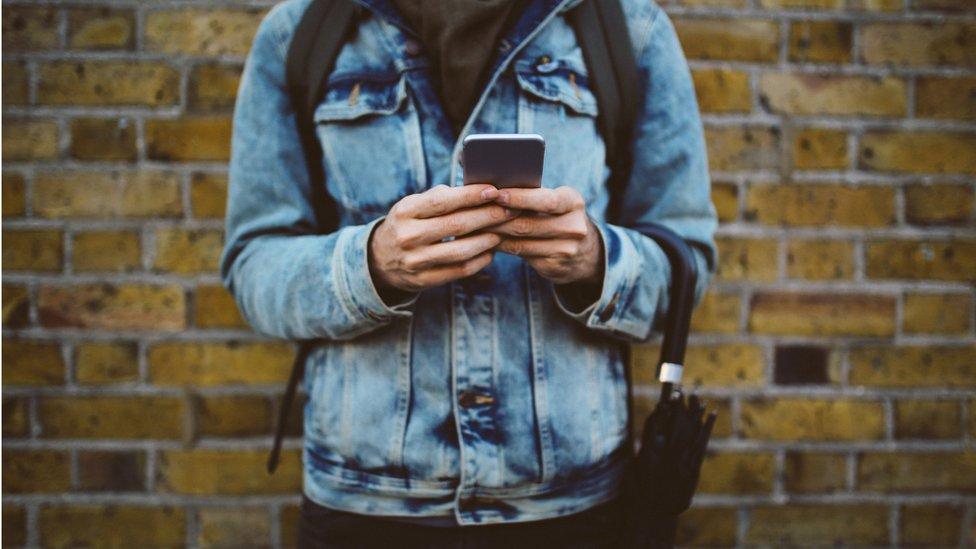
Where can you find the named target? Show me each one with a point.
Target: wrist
(389, 293)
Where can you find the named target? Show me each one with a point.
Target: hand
(559, 242)
(405, 249)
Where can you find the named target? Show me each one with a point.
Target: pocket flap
(557, 82)
(351, 97)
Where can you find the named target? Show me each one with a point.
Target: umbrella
(662, 478)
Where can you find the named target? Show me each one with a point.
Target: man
(467, 365)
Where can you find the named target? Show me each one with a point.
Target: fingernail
(489, 193)
(503, 197)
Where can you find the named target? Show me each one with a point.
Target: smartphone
(504, 160)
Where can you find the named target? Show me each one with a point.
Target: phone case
(503, 159)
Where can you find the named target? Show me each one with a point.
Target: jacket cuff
(355, 283)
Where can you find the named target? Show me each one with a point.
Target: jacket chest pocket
(370, 135)
(557, 102)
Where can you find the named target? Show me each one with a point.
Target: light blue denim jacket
(494, 398)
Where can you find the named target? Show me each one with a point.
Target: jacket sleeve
(288, 280)
(669, 185)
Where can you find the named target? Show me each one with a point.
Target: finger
(532, 247)
(463, 222)
(442, 275)
(454, 251)
(441, 199)
(550, 201)
(571, 225)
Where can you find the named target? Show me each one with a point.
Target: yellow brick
(798, 419)
(107, 195)
(876, 5)
(833, 94)
(820, 42)
(888, 259)
(200, 138)
(724, 365)
(937, 313)
(917, 472)
(943, 5)
(806, 473)
(820, 260)
(820, 204)
(289, 525)
(111, 471)
(213, 87)
(927, 419)
(931, 525)
(103, 139)
(747, 259)
(187, 251)
(914, 366)
(740, 39)
(737, 473)
(938, 204)
(106, 251)
(707, 527)
(26, 471)
(208, 364)
(32, 363)
(818, 525)
(918, 152)
(208, 195)
(717, 312)
(737, 148)
(13, 195)
(14, 526)
(725, 197)
(215, 308)
(234, 527)
(201, 32)
(123, 307)
(111, 526)
(15, 83)
(32, 250)
(102, 363)
(114, 83)
(30, 28)
(915, 44)
(16, 306)
(231, 472)
(722, 90)
(823, 4)
(16, 420)
(949, 97)
(101, 29)
(233, 416)
(131, 417)
(820, 149)
(29, 139)
(787, 313)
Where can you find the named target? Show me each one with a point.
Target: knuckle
(521, 227)
(497, 213)
(453, 225)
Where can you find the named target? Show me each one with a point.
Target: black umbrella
(664, 475)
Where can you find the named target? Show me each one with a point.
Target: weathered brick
(927, 419)
(26, 471)
(111, 471)
(914, 44)
(937, 313)
(16, 306)
(103, 363)
(813, 525)
(201, 32)
(939, 204)
(231, 472)
(737, 473)
(107, 194)
(29, 139)
(910, 259)
(233, 416)
(111, 526)
(213, 87)
(707, 527)
(187, 251)
(820, 204)
(208, 195)
(820, 42)
(797, 419)
(946, 97)
(717, 3)
(14, 526)
(931, 525)
(738, 148)
(717, 312)
(101, 29)
(876, 5)
(823, 4)
(914, 366)
(215, 308)
(15, 83)
(13, 200)
(103, 139)
(807, 473)
(116, 83)
(234, 527)
(787, 313)
(805, 364)
(32, 250)
(722, 90)
(725, 197)
(30, 28)
(198, 138)
(290, 515)
(113, 307)
(32, 363)
(917, 472)
(106, 251)
(815, 148)
(725, 365)
(919, 152)
(820, 259)
(128, 417)
(728, 39)
(16, 423)
(208, 364)
(747, 259)
(793, 93)
(942, 5)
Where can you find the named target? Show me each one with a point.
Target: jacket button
(472, 398)
(413, 47)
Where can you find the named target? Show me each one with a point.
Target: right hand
(405, 249)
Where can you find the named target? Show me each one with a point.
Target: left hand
(554, 235)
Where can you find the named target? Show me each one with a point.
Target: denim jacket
(495, 398)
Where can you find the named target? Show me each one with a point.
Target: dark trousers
(321, 528)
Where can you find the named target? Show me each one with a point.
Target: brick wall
(838, 342)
